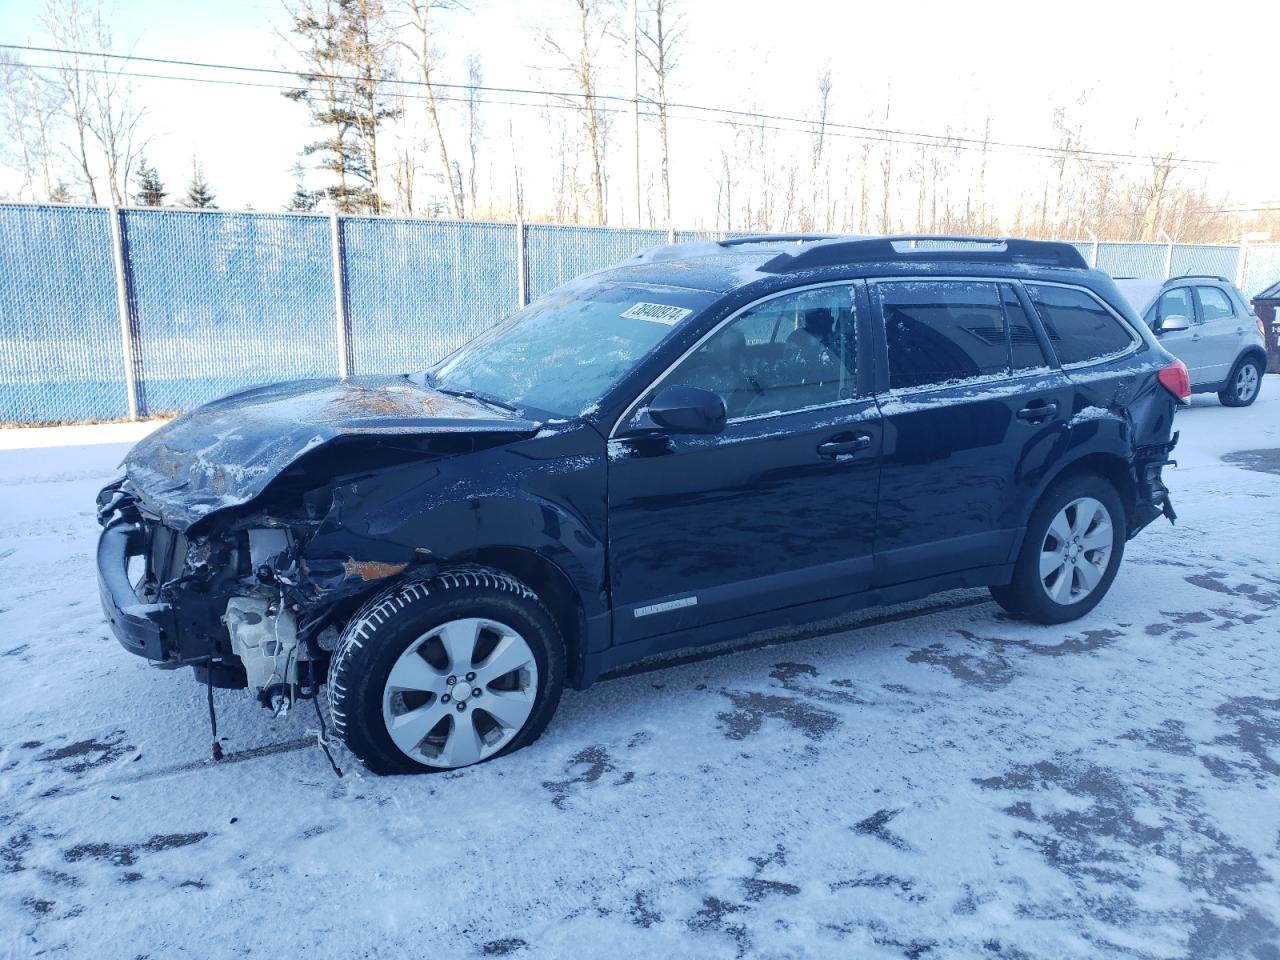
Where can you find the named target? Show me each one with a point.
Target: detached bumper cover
(1153, 499)
(145, 629)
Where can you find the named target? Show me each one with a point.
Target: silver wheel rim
(460, 693)
(1076, 551)
(1246, 382)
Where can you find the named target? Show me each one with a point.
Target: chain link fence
(60, 340)
(172, 308)
(226, 301)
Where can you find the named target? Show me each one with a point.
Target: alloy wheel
(1246, 384)
(460, 692)
(1076, 551)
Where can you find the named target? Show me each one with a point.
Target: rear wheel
(445, 672)
(1070, 554)
(1243, 384)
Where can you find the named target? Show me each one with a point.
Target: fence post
(522, 270)
(671, 234)
(125, 308)
(1168, 255)
(1093, 253)
(340, 296)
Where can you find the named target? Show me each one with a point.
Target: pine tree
(151, 192)
(199, 193)
(346, 51)
(302, 199)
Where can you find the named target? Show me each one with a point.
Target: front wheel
(445, 672)
(1242, 386)
(1072, 549)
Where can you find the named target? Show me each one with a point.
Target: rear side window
(942, 331)
(1079, 327)
(1214, 304)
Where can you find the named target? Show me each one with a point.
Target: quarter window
(1214, 304)
(942, 331)
(1079, 327)
(785, 354)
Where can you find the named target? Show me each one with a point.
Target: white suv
(1205, 322)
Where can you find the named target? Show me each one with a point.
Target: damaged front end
(231, 602)
(253, 602)
(241, 553)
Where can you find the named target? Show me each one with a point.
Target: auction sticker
(657, 312)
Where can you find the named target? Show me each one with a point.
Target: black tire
(1026, 595)
(1229, 395)
(384, 628)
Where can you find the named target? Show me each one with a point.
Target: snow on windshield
(563, 353)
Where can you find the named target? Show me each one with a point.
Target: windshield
(563, 352)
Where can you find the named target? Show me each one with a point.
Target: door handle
(844, 445)
(1038, 412)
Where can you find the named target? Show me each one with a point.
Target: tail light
(1176, 380)
(1262, 330)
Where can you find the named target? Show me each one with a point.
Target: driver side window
(784, 354)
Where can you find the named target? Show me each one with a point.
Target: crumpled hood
(226, 452)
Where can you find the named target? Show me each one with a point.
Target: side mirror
(1173, 323)
(682, 409)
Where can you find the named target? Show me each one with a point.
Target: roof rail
(844, 250)
(776, 238)
(1199, 276)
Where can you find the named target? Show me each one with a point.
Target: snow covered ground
(932, 780)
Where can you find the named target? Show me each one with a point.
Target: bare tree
(99, 101)
(426, 56)
(886, 167)
(475, 129)
(982, 175)
(864, 192)
(517, 181)
(403, 176)
(594, 25)
(30, 107)
(819, 175)
(660, 32)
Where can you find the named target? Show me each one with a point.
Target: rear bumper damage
(1151, 496)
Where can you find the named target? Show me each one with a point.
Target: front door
(777, 510)
(1188, 345)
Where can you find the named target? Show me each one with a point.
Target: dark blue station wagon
(705, 441)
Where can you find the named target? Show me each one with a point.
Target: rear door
(1221, 332)
(972, 413)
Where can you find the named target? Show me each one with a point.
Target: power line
(946, 141)
(901, 139)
